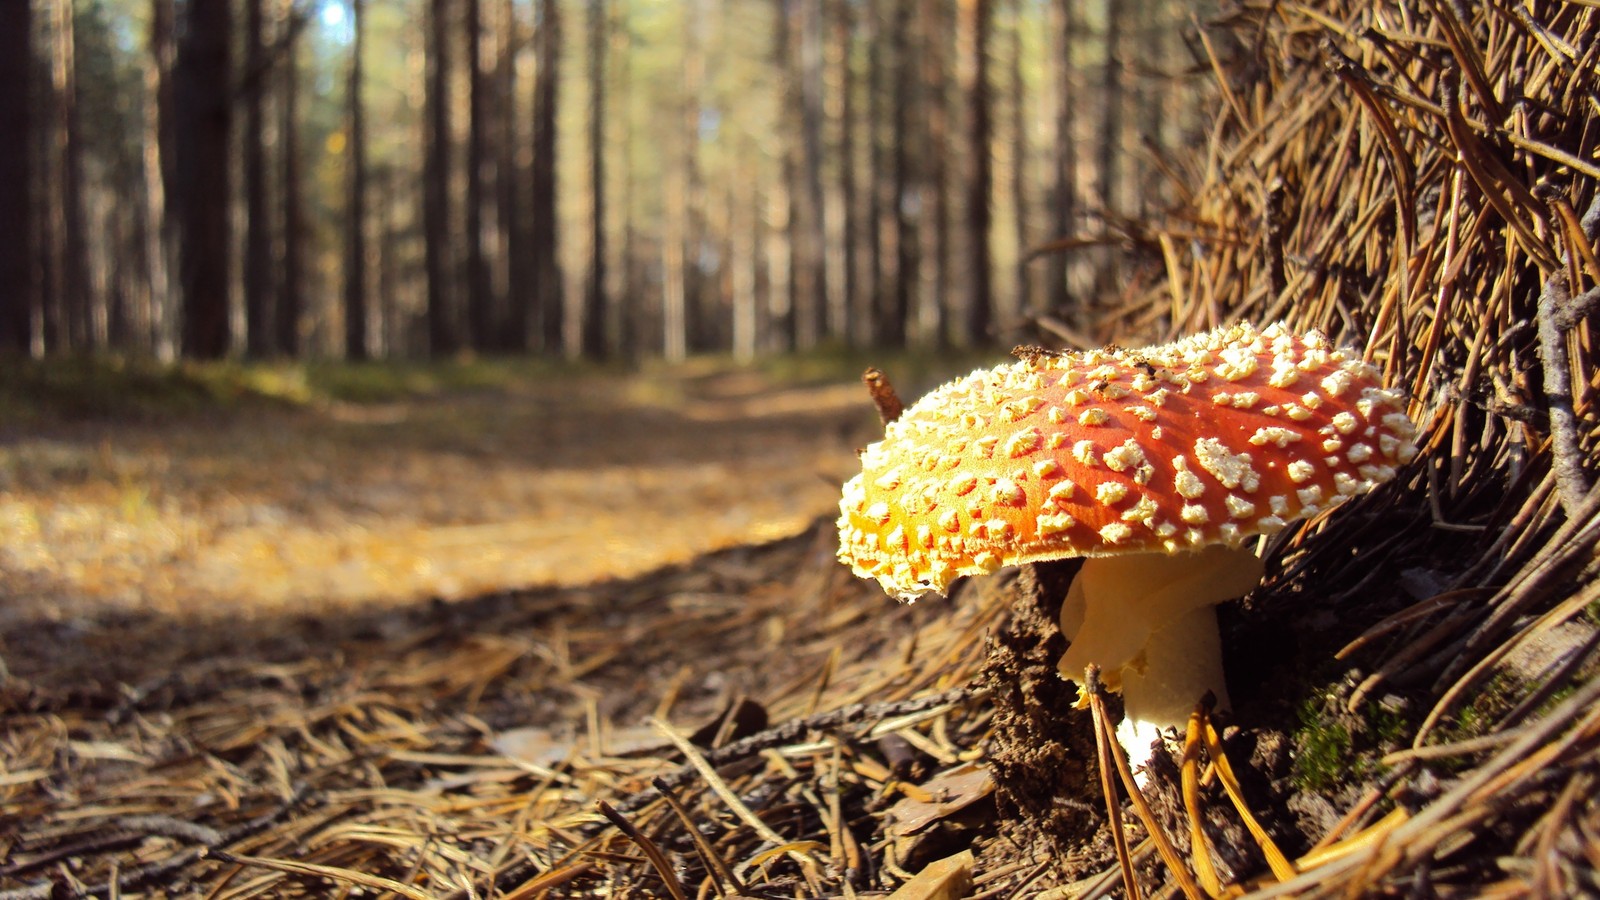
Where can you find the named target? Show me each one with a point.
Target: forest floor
(379, 611)
(272, 637)
(265, 506)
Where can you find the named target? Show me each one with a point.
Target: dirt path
(335, 506)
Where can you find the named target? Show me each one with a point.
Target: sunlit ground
(312, 506)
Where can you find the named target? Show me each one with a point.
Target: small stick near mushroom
(883, 395)
(1157, 465)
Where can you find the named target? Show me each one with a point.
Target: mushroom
(1156, 465)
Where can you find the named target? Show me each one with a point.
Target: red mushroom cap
(1210, 439)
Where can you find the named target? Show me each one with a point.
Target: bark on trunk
(259, 284)
(980, 174)
(355, 242)
(480, 308)
(438, 257)
(291, 297)
(594, 307)
(17, 287)
(542, 223)
(204, 113)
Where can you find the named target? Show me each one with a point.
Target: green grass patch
(91, 388)
(110, 387)
(383, 382)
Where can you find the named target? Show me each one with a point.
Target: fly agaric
(1156, 465)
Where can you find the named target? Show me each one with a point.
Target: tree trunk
(204, 111)
(68, 301)
(355, 213)
(781, 253)
(512, 172)
(439, 260)
(744, 216)
(1111, 89)
(937, 147)
(291, 299)
(392, 277)
(1109, 147)
(161, 237)
(1021, 199)
(677, 240)
(876, 223)
(480, 315)
(701, 22)
(594, 323)
(810, 278)
(896, 314)
(258, 261)
(847, 231)
(543, 226)
(980, 173)
(626, 296)
(18, 291)
(1064, 195)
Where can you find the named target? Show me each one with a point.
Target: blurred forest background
(619, 179)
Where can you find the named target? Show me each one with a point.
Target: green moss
(1554, 700)
(1488, 705)
(1334, 746)
(1323, 749)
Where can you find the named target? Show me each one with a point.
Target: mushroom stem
(1149, 621)
(1179, 659)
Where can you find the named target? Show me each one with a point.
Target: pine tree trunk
(291, 298)
(980, 174)
(543, 226)
(258, 262)
(480, 315)
(1021, 200)
(876, 299)
(848, 225)
(512, 173)
(1064, 195)
(70, 297)
(744, 216)
(1111, 113)
(203, 106)
(1110, 145)
(810, 279)
(678, 288)
(894, 330)
(594, 311)
(932, 183)
(161, 227)
(18, 291)
(629, 339)
(437, 244)
(355, 244)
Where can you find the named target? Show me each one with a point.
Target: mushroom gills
(1149, 621)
